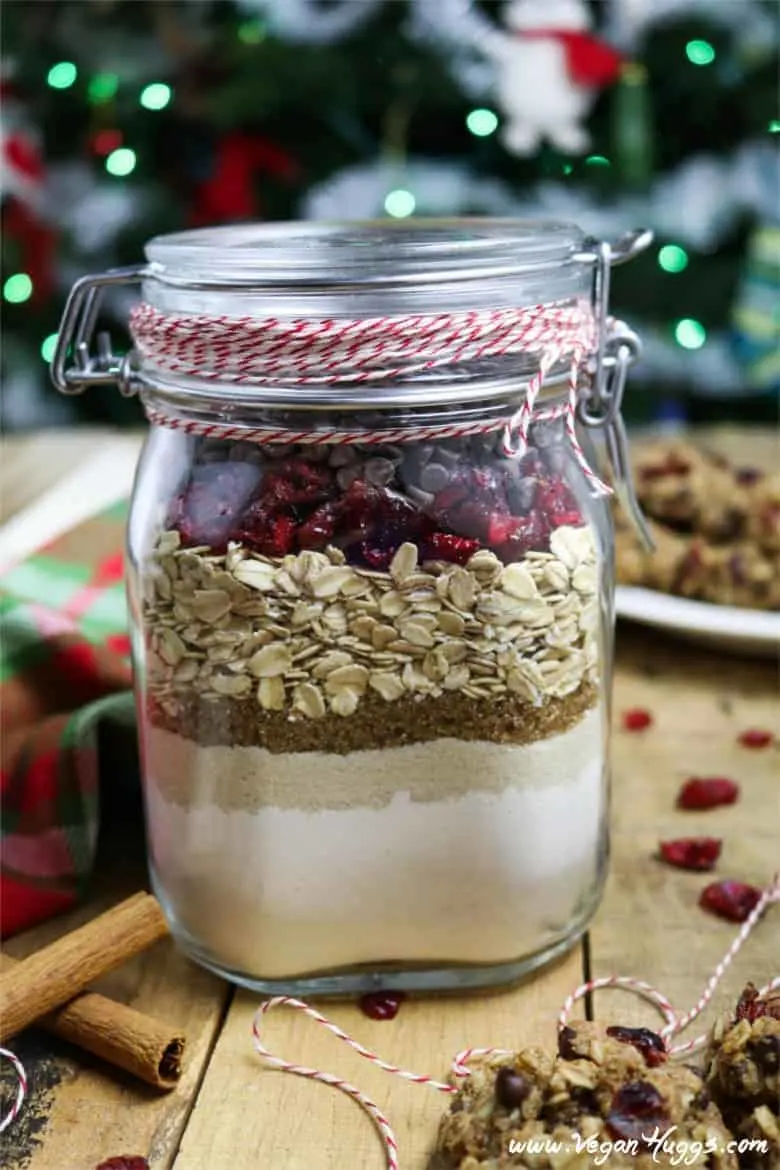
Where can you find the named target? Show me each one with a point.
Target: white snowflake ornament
(549, 68)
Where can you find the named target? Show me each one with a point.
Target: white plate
(721, 627)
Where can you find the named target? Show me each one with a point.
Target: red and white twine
(21, 1088)
(254, 351)
(675, 1023)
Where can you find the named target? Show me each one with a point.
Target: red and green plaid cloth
(64, 678)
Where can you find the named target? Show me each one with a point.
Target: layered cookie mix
(716, 528)
(361, 672)
(605, 1099)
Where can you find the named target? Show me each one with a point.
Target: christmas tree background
(124, 119)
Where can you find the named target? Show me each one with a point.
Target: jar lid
(378, 253)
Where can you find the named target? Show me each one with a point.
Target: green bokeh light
(251, 32)
(102, 87)
(400, 203)
(700, 52)
(17, 288)
(62, 75)
(121, 161)
(673, 258)
(156, 96)
(48, 345)
(690, 334)
(482, 122)
(598, 160)
(774, 126)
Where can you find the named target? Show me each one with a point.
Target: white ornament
(538, 97)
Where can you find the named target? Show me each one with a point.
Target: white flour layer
(480, 876)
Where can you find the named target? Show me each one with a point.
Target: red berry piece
(500, 528)
(471, 519)
(318, 530)
(648, 1043)
(637, 719)
(444, 546)
(730, 900)
(755, 738)
(697, 853)
(637, 1112)
(376, 556)
(381, 1005)
(124, 1162)
(529, 533)
(556, 502)
(455, 493)
(707, 792)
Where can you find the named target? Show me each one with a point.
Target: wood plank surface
(289, 1123)
(649, 924)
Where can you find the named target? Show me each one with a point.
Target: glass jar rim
(355, 253)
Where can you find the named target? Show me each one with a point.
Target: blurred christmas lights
(62, 75)
(251, 32)
(106, 140)
(102, 87)
(121, 162)
(700, 52)
(774, 126)
(156, 96)
(48, 347)
(597, 160)
(400, 203)
(17, 288)
(673, 258)
(690, 334)
(482, 122)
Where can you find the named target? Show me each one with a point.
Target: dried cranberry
(699, 853)
(455, 493)
(471, 519)
(637, 1112)
(565, 519)
(512, 1088)
(381, 1005)
(279, 538)
(444, 546)
(637, 719)
(318, 530)
(750, 1007)
(702, 792)
(278, 492)
(500, 528)
(400, 517)
(754, 738)
(731, 900)
(555, 500)
(648, 1043)
(359, 511)
(376, 556)
(530, 532)
(124, 1162)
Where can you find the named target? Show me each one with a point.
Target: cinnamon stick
(55, 974)
(116, 1033)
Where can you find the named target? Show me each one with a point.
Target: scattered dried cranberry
(637, 1112)
(730, 900)
(444, 546)
(555, 500)
(637, 719)
(648, 1043)
(381, 1005)
(376, 556)
(512, 1088)
(124, 1162)
(318, 530)
(699, 853)
(754, 738)
(707, 792)
(500, 528)
(530, 532)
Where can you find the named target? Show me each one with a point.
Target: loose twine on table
(675, 1022)
(311, 352)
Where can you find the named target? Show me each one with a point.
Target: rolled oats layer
(306, 652)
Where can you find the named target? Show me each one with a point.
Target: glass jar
(370, 583)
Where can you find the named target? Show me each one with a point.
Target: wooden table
(229, 1112)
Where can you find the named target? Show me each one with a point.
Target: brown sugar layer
(506, 719)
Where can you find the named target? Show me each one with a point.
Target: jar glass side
(373, 695)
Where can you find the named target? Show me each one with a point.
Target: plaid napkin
(64, 685)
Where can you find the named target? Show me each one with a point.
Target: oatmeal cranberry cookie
(743, 1076)
(603, 1092)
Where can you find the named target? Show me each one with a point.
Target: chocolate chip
(434, 477)
(424, 452)
(447, 455)
(520, 494)
(342, 455)
(424, 499)
(379, 471)
(512, 1088)
(566, 1043)
(347, 475)
(766, 1053)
